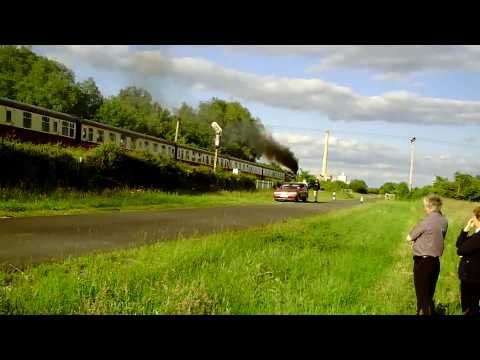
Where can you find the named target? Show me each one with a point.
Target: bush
(359, 186)
(47, 167)
(37, 167)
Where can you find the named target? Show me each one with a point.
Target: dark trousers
(470, 296)
(425, 276)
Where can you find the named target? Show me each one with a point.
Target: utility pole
(325, 155)
(412, 161)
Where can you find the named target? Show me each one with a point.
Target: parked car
(291, 192)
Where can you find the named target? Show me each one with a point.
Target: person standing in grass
(316, 188)
(468, 247)
(428, 242)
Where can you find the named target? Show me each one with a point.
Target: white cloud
(338, 103)
(392, 61)
(373, 162)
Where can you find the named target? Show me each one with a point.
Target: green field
(20, 203)
(353, 261)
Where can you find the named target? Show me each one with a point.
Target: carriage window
(134, 143)
(55, 126)
(64, 128)
(27, 120)
(173, 151)
(90, 134)
(84, 133)
(45, 124)
(113, 137)
(123, 139)
(71, 128)
(155, 147)
(100, 135)
(146, 144)
(8, 117)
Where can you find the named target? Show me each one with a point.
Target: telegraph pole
(176, 131)
(325, 155)
(412, 161)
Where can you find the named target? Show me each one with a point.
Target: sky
(371, 98)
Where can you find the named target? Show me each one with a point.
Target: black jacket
(469, 248)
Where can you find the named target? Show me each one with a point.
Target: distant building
(342, 177)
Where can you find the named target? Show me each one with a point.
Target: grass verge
(353, 261)
(15, 203)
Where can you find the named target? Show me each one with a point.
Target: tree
(15, 64)
(463, 183)
(51, 85)
(402, 190)
(443, 187)
(134, 109)
(305, 175)
(37, 80)
(388, 187)
(90, 99)
(194, 129)
(359, 186)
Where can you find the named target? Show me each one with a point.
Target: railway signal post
(176, 131)
(218, 132)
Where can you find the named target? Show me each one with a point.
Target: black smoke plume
(255, 136)
(278, 152)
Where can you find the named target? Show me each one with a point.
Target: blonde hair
(476, 212)
(433, 202)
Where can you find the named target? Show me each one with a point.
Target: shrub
(47, 167)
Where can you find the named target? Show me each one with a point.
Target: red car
(291, 192)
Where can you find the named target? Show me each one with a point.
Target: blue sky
(371, 98)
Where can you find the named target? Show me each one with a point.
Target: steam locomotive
(40, 125)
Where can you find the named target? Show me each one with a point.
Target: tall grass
(397, 293)
(354, 261)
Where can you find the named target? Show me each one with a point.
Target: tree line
(462, 187)
(356, 185)
(37, 80)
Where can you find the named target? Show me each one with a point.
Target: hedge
(46, 167)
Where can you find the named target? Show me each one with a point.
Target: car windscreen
(289, 187)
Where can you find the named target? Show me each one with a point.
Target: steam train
(40, 125)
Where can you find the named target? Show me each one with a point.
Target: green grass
(20, 203)
(396, 294)
(353, 261)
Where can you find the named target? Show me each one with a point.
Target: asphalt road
(30, 240)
